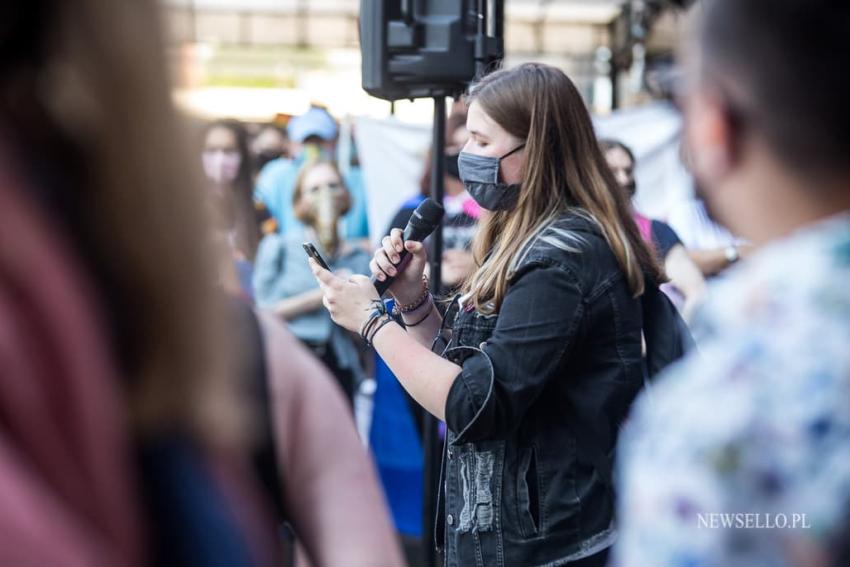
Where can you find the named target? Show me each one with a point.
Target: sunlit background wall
(258, 59)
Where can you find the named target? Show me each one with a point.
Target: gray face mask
(480, 176)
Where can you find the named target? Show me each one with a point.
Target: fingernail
(391, 271)
(396, 259)
(381, 277)
(398, 247)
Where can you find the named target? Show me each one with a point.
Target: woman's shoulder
(562, 240)
(576, 220)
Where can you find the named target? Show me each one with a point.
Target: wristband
(420, 301)
(422, 320)
(387, 320)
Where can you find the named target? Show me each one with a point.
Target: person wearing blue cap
(313, 135)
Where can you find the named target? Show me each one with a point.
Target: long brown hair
(86, 99)
(237, 207)
(564, 170)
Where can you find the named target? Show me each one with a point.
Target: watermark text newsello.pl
(752, 521)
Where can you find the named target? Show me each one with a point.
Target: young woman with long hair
(228, 166)
(544, 356)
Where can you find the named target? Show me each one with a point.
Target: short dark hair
(783, 67)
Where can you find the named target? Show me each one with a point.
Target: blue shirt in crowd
(276, 186)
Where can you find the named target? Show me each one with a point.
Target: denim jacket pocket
(528, 494)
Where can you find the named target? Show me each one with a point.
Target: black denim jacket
(565, 349)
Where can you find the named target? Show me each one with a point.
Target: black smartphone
(314, 254)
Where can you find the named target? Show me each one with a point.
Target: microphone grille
(429, 212)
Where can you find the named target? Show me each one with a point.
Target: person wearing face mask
(313, 136)
(284, 285)
(269, 145)
(687, 286)
(227, 165)
(538, 359)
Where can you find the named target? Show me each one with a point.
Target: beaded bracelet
(422, 320)
(420, 301)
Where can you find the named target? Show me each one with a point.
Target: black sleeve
(664, 238)
(502, 378)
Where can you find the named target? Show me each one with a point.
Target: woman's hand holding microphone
(351, 300)
(408, 283)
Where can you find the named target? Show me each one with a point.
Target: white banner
(392, 156)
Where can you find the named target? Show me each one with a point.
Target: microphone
(425, 219)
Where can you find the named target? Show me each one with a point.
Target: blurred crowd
(273, 187)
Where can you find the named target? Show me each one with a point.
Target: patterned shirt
(740, 454)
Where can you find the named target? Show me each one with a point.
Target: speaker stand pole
(431, 437)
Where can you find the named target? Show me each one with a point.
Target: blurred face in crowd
(269, 145)
(321, 192)
(623, 168)
(458, 139)
(314, 148)
(221, 159)
(451, 181)
(320, 200)
(487, 138)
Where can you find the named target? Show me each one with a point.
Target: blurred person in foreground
(313, 135)
(686, 286)
(126, 419)
(227, 164)
(741, 455)
(125, 435)
(283, 281)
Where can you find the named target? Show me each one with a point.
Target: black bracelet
(421, 302)
(369, 326)
(369, 320)
(384, 323)
(380, 308)
(422, 320)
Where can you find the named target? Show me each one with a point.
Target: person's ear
(710, 136)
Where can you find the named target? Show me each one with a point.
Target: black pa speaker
(427, 48)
